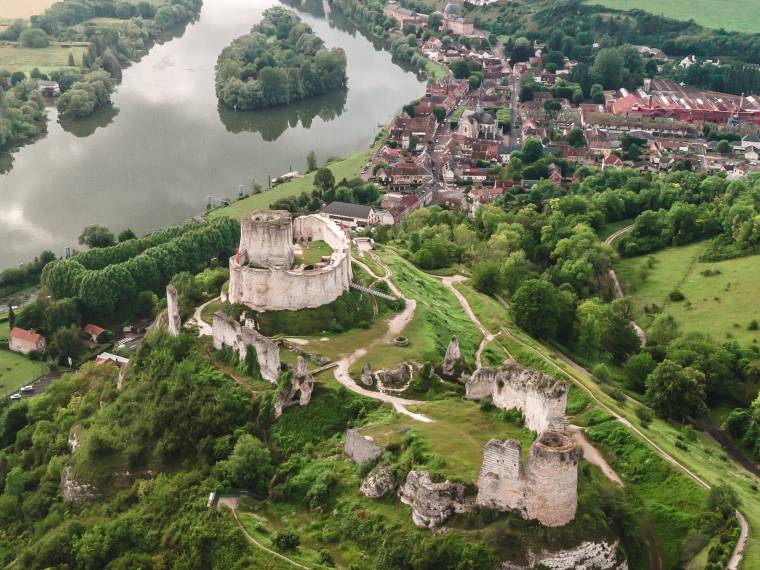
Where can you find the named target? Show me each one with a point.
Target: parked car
(27, 389)
(16, 396)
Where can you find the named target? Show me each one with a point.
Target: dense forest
(278, 62)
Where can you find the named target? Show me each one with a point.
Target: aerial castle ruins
(262, 275)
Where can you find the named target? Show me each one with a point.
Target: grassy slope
(732, 15)
(718, 303)
(458, 434)
(437, 318)
(345, 168)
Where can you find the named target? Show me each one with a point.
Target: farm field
(15, 58)
(23, 9)
(716, 304)
(731, 15)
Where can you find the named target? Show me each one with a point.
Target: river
(153, 158)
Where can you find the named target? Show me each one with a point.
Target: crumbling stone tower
(266, 239)
(545, 490)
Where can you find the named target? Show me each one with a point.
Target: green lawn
(458, 434)
(436, 71)
(314, 252)
(345, 168)
(717, 304)
(13, 57)
(17, 370)
(732, 15)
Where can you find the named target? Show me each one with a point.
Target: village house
(407, 174)
(403, 16)
(455, 23)
(93, 332)
(25, 341)
(349, 215)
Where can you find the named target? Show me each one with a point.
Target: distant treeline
(278, 62)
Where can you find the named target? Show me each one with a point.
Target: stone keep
(262, 275)
(540, 398)
(546, 490)
(172, 310)
(228, 332)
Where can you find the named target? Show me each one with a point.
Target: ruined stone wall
(229, 332)
(172, 310)
(266, 238)
(433, 503)
(546, 490)
(481, 383)
(360, 448)
(586, 556)
(552, 479)
(541, 398)
(276, 288)
(501, 481)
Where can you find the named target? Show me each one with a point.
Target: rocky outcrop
(172, 310)
(76, 493)
(452, 361)
(541, 398)
(75, 439)
(228, 332)
(360, 448)
(433, 503)
(546, 490)
(586, 556)
(378, 483)
(395, 380)
(367, 378)
(298, 391)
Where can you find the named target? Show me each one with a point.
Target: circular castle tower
(552, 479)
(266, 239)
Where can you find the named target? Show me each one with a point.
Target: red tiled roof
(93, 329)
(23, 334)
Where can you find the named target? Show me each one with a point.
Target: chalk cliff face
(540, 398)
(433, 503)
(360, 448)
(545, 490)
(586, 556)
(261, 276)
(452, 361)
(228, 332)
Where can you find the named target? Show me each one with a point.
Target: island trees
(278, 62)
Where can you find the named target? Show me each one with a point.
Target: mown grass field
(731, 15)
(720, 305)
(345, 168)
(23, 9)
(16, 58)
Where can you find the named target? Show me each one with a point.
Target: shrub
(601, 373)
(286, 540)
(34, 38)
(753, 326)
(676, 296)
(645, 416)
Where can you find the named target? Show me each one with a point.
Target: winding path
(257, 544)
(204, 329)
(619, 288)
(396, 326)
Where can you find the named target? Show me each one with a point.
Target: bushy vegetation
(108, 289)
(278, 62)
(22, 114)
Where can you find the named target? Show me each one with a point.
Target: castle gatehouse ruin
(545, 489)
(539, 397)
(263, 274)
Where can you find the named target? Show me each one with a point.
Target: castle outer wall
(276, 287)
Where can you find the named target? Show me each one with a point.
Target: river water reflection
(152, 159)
